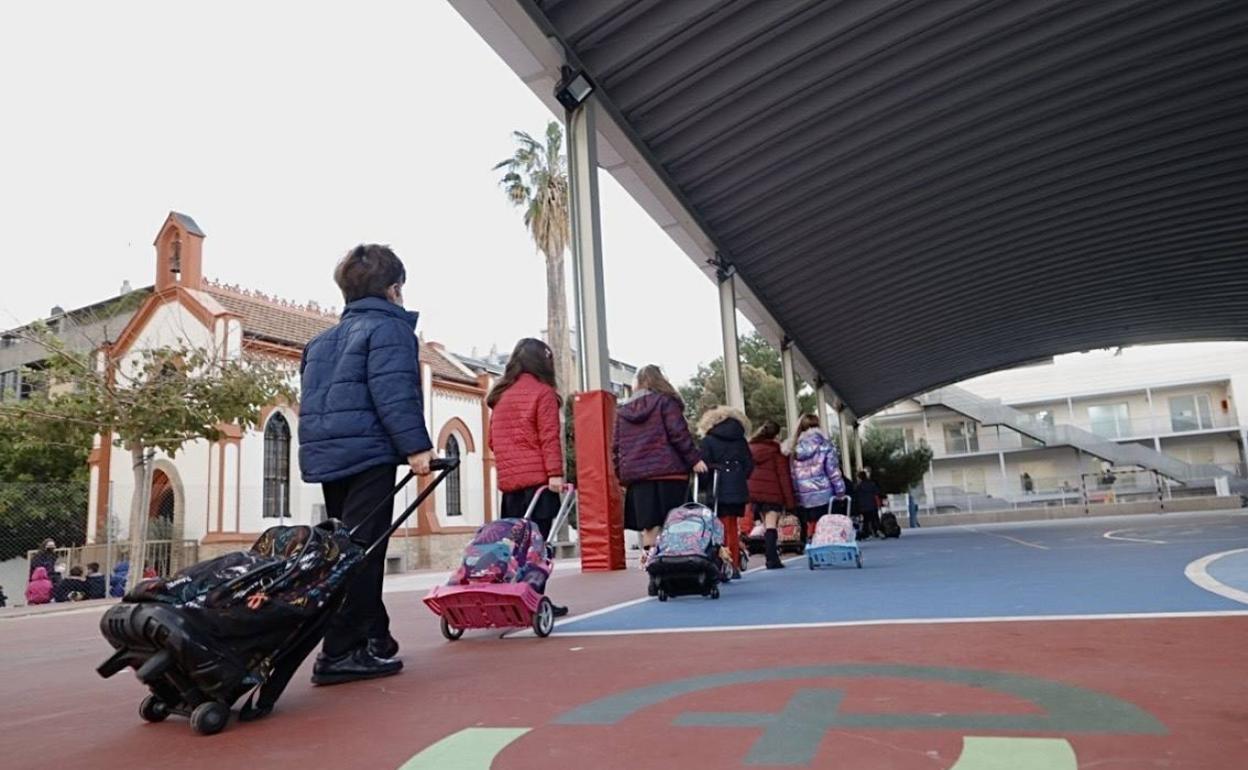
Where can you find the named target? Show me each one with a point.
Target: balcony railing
(987, 439)
(1160, 425)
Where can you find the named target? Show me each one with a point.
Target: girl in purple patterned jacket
(654, 454)
(816, 469)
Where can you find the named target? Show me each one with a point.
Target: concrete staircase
(993, 412)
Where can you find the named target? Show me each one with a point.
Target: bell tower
(179, 253)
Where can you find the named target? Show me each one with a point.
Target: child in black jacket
(726, 451)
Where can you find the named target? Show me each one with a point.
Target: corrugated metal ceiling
(923, 191)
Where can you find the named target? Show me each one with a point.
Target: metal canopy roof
(918, 192)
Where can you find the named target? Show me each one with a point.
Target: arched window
(454, 503)
(277, 467)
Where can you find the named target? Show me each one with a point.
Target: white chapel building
(220, 495)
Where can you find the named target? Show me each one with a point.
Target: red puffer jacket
(524, 435)
(771, 481)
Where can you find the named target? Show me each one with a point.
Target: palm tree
(536, 180)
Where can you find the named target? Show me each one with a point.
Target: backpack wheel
(714, 594)
(544, 618)
(662, 594)
(209, 718)
(153, 709)
(858, 560)
(653, 588)
(450, 632)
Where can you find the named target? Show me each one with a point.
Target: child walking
(816, 469)
(361, 415)
(727, 453)
(525, 436)
(771, 486)
(653, 453)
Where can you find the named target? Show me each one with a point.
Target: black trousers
(516, 504)
(870, 522)
(363, 614)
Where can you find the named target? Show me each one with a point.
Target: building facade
(1188, 402)
(221, 494)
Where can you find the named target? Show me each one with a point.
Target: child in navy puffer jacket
(361, 415)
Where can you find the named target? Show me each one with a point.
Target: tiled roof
(275, 320)
(440, 362)
(271, 319)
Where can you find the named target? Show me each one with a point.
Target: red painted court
(1164, 692)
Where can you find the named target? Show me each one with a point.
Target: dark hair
(862, 475)
(94, 566)
(650, 377)
(75, 571)
(808, 421)
(530, 356)
(368, 270)
(767, 431)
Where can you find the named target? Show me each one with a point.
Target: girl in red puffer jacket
(771, 486)
(525, 436)
(525, 433)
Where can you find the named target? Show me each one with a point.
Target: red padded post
(600, 509)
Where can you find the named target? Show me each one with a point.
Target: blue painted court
(1098, 566)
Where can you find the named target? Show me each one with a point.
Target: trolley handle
(714, 488)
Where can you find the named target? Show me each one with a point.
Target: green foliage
(569, 443)
(159, 398)
(761, 380)
(32, 513)
(894, 468)
(156, 399)
(56, 452)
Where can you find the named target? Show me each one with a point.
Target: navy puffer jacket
(360, 403)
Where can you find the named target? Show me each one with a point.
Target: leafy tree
(33, 512)
(43, 467)
(761, 382)
(536, 180)
(148, 400)
(896, 469)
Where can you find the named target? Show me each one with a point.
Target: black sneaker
(383, 648)
(776, 565)
(559, 610)
(355, 665)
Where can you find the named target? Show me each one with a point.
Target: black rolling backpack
(889, 525)
(240, 623)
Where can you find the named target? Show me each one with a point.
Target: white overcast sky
(291, 131)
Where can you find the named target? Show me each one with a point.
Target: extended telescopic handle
(443, 466)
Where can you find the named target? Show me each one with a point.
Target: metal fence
(33, 513)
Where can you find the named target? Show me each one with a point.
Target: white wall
(448, 405)
(1155, 366)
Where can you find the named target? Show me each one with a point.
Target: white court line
(1006, 537)
(1113, 535)
(522, 633)
(915, 622)
(1198, 573)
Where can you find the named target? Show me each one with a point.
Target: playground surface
(1106, 643)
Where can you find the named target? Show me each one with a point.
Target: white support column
(595, 363)
(821, 406)
(1152, 421)
(929, 478)
(790, 385)
(857, 446)
(1005, 484)
(847, 450)
(734, 394)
